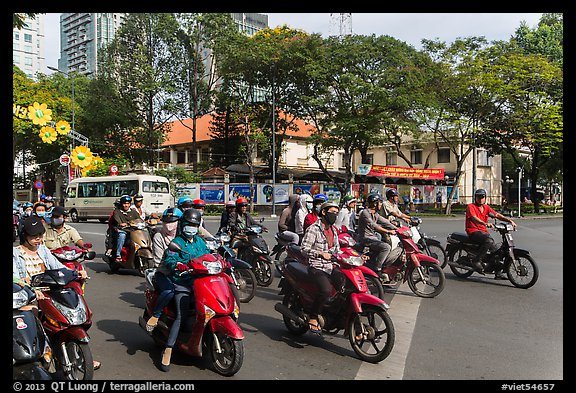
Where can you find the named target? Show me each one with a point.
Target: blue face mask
(40, 214)
(189, 231)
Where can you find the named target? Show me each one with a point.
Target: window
(443, 155)
(27, 37)
(154, 186)
(391, 158)
(416, 155)
(369, 159)
(16, 35)
(181, 157)
(484, 159)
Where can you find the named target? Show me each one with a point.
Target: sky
(408, 27)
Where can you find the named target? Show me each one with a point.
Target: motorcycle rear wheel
(247, 284)
(229, 361)
(377, 331)
(434, 276)
(80, 356)
(523, 272)
(455, 255)
(375, 286)
(437, 252)
(292, 301)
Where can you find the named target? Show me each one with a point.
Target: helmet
(320, 197)
(125, 198)
(26, 205)
(480, 193)
(348, 199)
(326, 205)
(185, 202)
(138, 198)
(198, 203)
(43, 197)
(191, 216)
(391, 192)
(59, 211)
(372, 198)
(33, 226)
(230, 204)
(49, 198)
(117, 203)
(241, 202)
(35, 206)
(171, 214)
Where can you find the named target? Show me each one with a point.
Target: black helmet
(191, 216)
(33, 226)
(117, 203)
(480, 193)
(125, 198)
(391, 192)
(372, 198)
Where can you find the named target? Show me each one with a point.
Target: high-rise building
(82, 35)
(28, 46)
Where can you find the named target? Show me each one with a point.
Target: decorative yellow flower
(81, 156)
(48, 134)
(39, 114)
(63, 127)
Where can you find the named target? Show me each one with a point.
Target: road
(477, 329)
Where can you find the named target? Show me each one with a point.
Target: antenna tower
(340, 24)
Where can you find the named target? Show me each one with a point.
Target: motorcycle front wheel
(81, 362)
(226, 354)
(522, 271)
(246, 284)
(263, 271)
(371, 334)
(427, 280)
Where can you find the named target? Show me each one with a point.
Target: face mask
(170, 228)
(201, 213)
(330, 218)
(189, 231)
(310, 206)
(40, 214)
(27, 213)
(57, 221)
(318, 208)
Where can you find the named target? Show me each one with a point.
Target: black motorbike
(31, 352)
(240, 271)
(516, 263)
(279, 250)
(253, 249)
(427, 244)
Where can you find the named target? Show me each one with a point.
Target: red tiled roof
(182, 133)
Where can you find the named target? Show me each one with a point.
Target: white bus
(93, 197)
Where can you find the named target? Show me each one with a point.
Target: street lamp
(519, 188)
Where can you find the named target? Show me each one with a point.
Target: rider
(200, 205)
(240, 219)
(348, 211)
(391, 208)
(144, 213)
(166, 234)
(305, 207)
(49, 201)
(370, 223)
(225, 218)
(476, 228)
(319, 243)
(311, 217)
(39, 209)
(122, 216)
(184, 203)
(286, 222)
(60, 234)
(171, 280)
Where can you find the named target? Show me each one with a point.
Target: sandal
(97, 364)
(150, 326)
(118, 259)
(315, 328)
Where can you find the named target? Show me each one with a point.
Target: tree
(19, 19)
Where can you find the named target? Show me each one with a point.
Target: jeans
(120, 239)
(166, 289)
(182, 300)
(324, 283)
(486, 243)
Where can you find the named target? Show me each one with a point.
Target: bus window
(71, 192)
(155, 186)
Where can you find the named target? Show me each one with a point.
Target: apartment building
(28, 47)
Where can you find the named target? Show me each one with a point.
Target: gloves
(181, 267)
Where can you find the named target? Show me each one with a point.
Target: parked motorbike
(211, 327)
(66, 317)
(517, 263)
(428, 245)
(31, 352)
(239, 270)
(136, 252)
(406, 262)
(253, 249)
(362, 316)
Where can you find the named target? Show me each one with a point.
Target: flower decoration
(63, 127)
(81, 156)
(48, 134)
(39, 114)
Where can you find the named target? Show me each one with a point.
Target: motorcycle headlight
(354, 261)
(213, 267)
(225, 238)
(19, 299)
(76, 316)
(212, 245)
(509, 227)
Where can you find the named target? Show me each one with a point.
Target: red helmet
(196, 203)
(241, 202)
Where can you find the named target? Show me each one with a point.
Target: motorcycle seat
(286, 239)
(298, 270)
(460, 236)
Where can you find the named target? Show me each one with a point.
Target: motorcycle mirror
(87, 245)
(174, 247)
(262, 219)
(90, 255)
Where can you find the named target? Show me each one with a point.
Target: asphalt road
(476, 329)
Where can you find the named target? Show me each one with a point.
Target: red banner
(407, 172)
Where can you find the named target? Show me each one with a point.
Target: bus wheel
(74, 216)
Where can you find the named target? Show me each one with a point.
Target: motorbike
(406, 262)
(428, 245)
(15, 223)
(253, 249)
(73, 256)
(136, 252)
(211, 327)
(66, 317)
(239, 270)
(519, 266)
(363, 317)
(31, 351)
(282, 241)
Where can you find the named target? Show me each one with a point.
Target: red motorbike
(211, 326)
(362, 316)
(66, 318)
(72, 257)
(407, 262)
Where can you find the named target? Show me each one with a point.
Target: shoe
(478, 267)
(166, 355)
(118, 259)
(315, 328)
(500, 275)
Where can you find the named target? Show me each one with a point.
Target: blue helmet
(320, 198)
(171, 214)
(26, 205)
(185, 202)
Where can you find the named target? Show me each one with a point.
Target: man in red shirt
(477, 214)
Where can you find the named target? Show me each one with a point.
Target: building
(28, 47)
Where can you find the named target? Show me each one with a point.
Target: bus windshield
(155, 186)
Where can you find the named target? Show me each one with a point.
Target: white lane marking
(92, 233)
(403, 311)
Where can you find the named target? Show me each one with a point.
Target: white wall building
(28, 47)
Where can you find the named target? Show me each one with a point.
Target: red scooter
(72, 257)
(212, 317)
(362, 316)
(66, 318)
